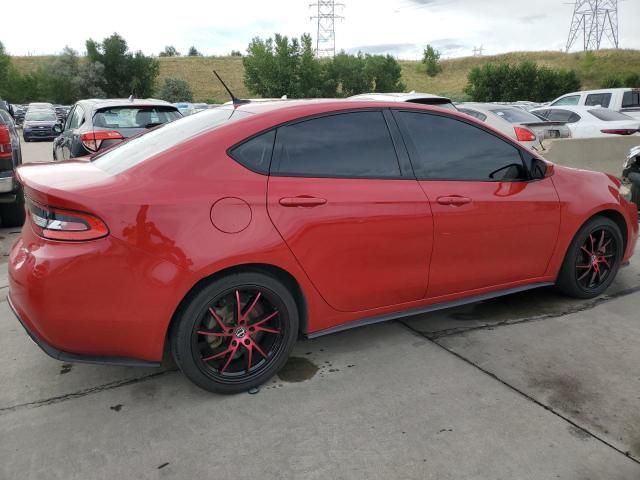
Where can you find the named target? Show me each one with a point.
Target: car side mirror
(541, 169)
(58, 128)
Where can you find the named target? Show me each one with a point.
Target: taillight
(5, 143)
(524, 134)
(619, 131)
(66, 225)
(93, 140)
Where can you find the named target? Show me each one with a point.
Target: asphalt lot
(531, 386)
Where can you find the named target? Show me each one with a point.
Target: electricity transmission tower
(326, 35)
(593, 19)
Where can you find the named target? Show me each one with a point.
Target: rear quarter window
(255, 154)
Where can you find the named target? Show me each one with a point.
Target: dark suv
(12, 211)
(93, 125)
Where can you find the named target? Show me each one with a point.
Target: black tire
(577, 260)
(27, 140)
(188, 344)
(635, 194)
(13, 214)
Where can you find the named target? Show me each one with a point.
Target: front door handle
(455, 200)
(302, 201)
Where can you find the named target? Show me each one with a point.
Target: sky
(398, 27)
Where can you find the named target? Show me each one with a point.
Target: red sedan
(230, 233)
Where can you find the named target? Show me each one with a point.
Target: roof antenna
(236, 101)
(131, 97)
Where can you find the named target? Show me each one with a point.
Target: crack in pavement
(524, 394)
(581, 307)
(84, 393)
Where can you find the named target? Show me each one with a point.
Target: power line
(593, 20)
(326, 33)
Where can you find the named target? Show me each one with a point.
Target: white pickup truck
(623, 100)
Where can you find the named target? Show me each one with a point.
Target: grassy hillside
(592, 68)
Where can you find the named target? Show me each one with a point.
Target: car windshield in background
(515, 115)
(134, 117)
(130, 153)
(609, 115)
(40, 116)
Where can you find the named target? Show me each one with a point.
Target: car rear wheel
(593, 259)
(236, 333)
(13, 214)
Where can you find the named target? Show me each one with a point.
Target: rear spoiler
(543, 123)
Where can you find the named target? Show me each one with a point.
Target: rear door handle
(453, 200)
(302, 201)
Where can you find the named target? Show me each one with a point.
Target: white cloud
(399, 27)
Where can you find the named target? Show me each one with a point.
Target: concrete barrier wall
(598, 154)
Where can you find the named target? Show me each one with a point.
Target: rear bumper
(74, 358)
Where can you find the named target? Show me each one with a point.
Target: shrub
(431, 59)
(175, 90)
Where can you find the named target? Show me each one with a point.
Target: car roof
(397, 96)
(487, 107)
(571, 108)
(124, 102)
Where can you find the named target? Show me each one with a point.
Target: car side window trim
(414, 155)
(405, 173)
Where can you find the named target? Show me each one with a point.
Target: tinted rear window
(609, 115)
(134, 117)
(353, 145)
(631, 99)
(138, 149)
(514, 115)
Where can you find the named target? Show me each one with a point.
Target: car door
(357, 222)
(493, 225)
(71, 134)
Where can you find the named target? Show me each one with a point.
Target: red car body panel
(375, 248)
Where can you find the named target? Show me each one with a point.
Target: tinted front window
(609, 115)
(134, 117)
(514, 115)
(449, 149)
(345, 145)
(40, 116)
(572, 100)
(602, 99)
(132, 152)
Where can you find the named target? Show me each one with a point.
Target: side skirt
(426, 309)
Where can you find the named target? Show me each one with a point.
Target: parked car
(38, 125)
(40, 106)
(19, 112)
(233, 231)
(624, 100)
(62, 112)
(516, 123)
(631, 175)
(589, 122)
(12, 210)
(411, 97)
(94, 125)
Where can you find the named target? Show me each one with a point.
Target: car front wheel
(235, 333)
(593, 259)
(13, 214)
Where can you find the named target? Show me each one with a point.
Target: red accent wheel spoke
(217, 355)
(238, 308)
(217, 318)
(233, 349)
(248, 311)
(584, 249)
(581, 277)
(213, 334)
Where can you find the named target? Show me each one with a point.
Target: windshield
(515, 115)
(609, 115)
(41, 116)
(134, 117)
(130, 153)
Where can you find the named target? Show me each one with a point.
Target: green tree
(236, 53)
(175, 90)
(503, 82)
(125, 73)
(193, 52)
(431, 59)
(169, 51)
(384, 73)
(350, 73)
